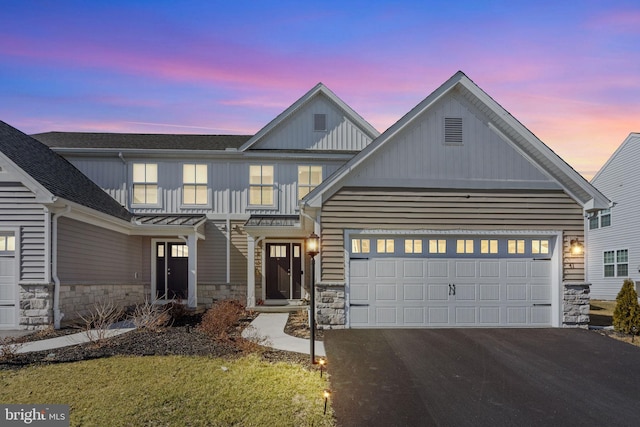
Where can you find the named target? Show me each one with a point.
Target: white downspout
(57, 315)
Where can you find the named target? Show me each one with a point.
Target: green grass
(174, 391)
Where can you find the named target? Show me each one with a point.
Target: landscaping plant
(626, 315)
(221, 319)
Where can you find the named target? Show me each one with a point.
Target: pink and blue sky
(568, 70)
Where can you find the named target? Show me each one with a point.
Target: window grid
(309, 177)
(194, 188)
(616, 263)
(145, 183)
(261, 180)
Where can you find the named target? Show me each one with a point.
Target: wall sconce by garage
(576, 247)
(313, 245)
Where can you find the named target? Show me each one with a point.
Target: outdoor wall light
(327, 394)
(577, 247)
(313, 243)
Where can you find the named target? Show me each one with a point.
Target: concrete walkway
(267, 325)
(271, 326)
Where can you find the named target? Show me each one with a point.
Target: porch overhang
(152, 225)
(275, 226)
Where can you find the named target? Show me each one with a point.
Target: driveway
(482, 377)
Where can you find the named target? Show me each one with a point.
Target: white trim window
(616, 263)
(194, 184)
(145, 184)
(600, 219)
(309, 177)
(7, 243)
(261, 188)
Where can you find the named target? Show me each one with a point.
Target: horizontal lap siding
(353, 208)
(89, 254)
(18, 208)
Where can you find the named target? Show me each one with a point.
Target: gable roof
(55, 173)
(633, 136)
(306, 98)
(501, 122)
(141, 141)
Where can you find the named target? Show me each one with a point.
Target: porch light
(577, 247)
(313, 244)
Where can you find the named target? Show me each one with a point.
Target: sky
(568, 70)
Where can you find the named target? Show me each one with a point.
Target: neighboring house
(614, 246)
(456, 216)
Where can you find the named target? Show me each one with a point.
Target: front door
(172, 271)
(283, 270)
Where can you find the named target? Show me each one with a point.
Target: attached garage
(441, 281)
(8, 285)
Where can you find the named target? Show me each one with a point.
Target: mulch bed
(182, 338)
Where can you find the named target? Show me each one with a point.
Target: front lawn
(174, 391)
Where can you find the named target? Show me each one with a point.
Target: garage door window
(488, 246)
(515, 247)
(360, 246)
(438, 246)
(385, 246)
(413, 246)
(539, 246)
(7, 244)
(464, 246)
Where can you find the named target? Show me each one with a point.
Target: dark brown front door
(172, 270)
(283, 273)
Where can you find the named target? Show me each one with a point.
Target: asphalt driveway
(482, 377)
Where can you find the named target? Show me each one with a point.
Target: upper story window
(145, 183)
(261, 185)
(320, 122)
(309, 177)
(7, 243)
(616, 263)
(194, 184)
(600, 219)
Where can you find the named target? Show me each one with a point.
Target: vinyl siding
(18, 208)
(402, 209)
(296, 132)
(212, 254)
(88, 254)
(618, 180)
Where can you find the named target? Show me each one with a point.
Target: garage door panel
(541, 269)
(517, 268)
(465, 315)
(438, 315)
(489, 292)
(359, 293)
(516, 316)
(412, 292)
(540, 292)
(438, 268)
(465, 292)
(413, 268)
(489, 315)
(541, 315)
(414, 316)
(386, 292)
(439, 292)
(385, 268)
(359, 316)
(465, 269)
(489, 268)
(359, 268)
(516, 292)
(386, 316)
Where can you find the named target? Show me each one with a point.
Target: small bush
(626, 315)
(221, 319)
(100, 318)
(8, 349)
(150, 316)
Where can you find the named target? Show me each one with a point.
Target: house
(457, 215)
(614, 249)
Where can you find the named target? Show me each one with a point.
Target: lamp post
(313, 243)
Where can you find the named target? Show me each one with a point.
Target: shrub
(150, 316)
(626, 315)
(221, 319)
(100, 318)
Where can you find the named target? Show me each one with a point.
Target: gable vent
(319, 122)
(453, 130)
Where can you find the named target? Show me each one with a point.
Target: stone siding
(36, 306)
(575, 305)
(330, 305)
(208, 293)
(78, 300)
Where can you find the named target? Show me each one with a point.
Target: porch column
(251, 273)
(192, 245)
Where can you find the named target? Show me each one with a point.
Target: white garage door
(449, 292)
(8, 297)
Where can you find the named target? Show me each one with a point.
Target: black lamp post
(313, 244)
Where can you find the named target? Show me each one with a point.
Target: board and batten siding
(88, 254)
(472, 210)
(19, 209)
(228, 183)
(296, 132)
